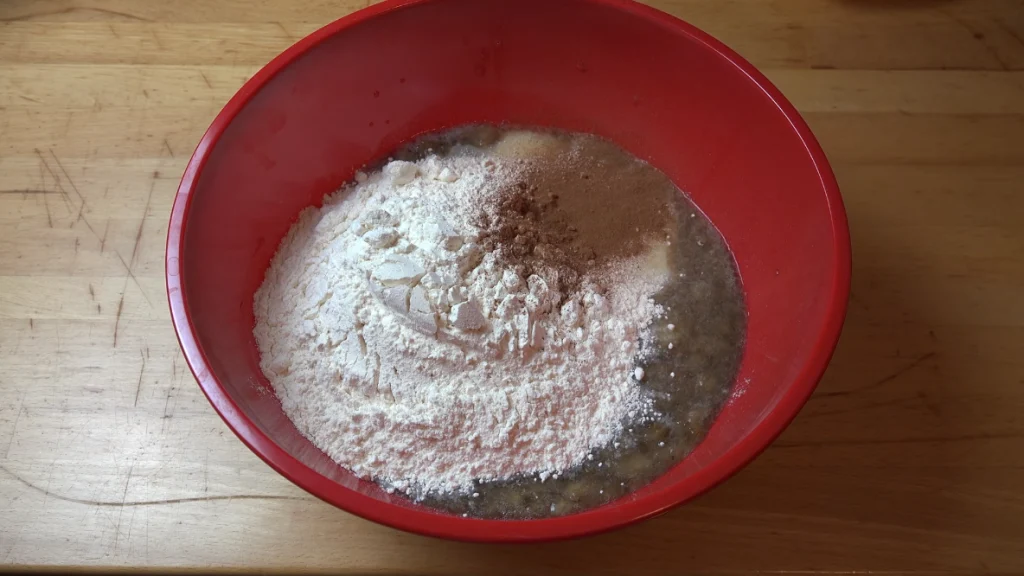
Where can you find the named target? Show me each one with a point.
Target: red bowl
(667, 92)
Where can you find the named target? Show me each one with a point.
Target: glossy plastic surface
(667, 92)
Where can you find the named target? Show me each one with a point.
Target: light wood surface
(910, 456)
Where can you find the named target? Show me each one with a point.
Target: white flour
(401, 348)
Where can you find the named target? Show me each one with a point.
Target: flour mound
(410, 350)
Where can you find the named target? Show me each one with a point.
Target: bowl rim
(438, 524)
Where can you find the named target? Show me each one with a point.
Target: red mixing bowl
(667, 92)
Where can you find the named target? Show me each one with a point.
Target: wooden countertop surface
(910, 456)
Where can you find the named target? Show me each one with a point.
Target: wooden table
(910, 456)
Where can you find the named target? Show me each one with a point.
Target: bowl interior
(660, 89)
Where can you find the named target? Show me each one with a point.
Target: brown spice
(529, 233)
(583, 207)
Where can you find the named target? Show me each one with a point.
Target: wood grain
(909, 458)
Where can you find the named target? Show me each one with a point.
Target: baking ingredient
(429, 297)
(449, 321)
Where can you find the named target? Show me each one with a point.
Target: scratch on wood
(128, 265)
(103, 241)
(124, 496)
(924, 440)
(138, 387)
(284, 31)
(81, 198)
(167, 400)
(205, 79)
(73, 9)
(1009, 31)
(92, 292)
(77, 242)
(14, 429)
(49, 478)
(142, 223)
(117, 319)
(131, 275)
(868, 406)
(930, 405)
(168, 146)
(977, 35)
(920, 360)
(129, 503)
(28, 191)
(42, 178)
(56, 179)
(113, 31)
(49, 216)
(31, 324)
(23, 97)
(131, 523)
